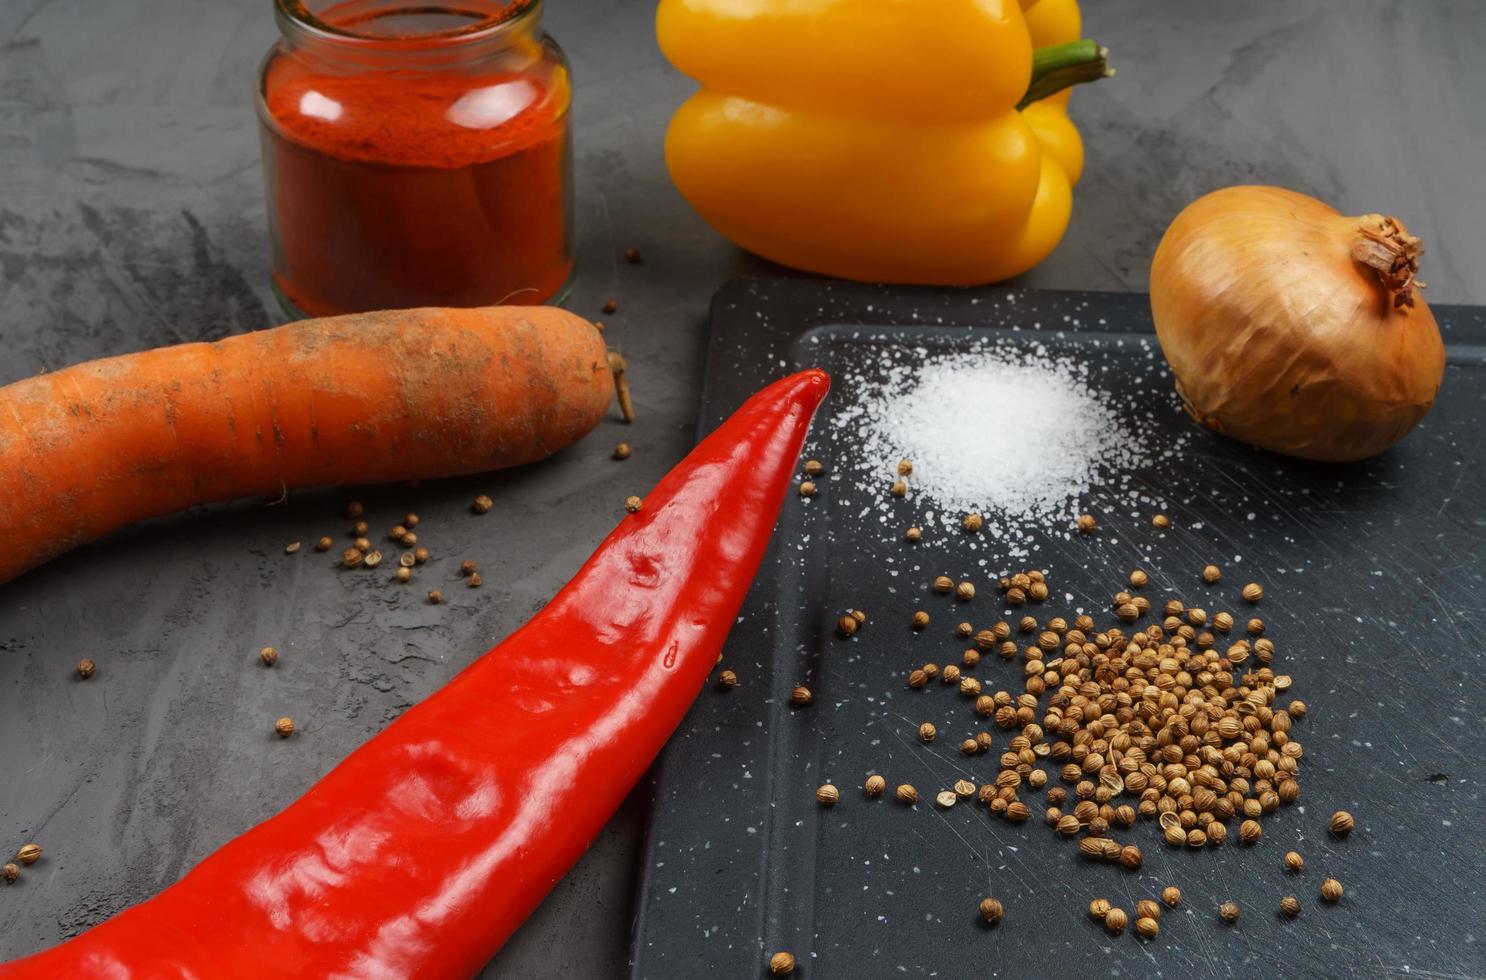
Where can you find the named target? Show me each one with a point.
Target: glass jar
(416, 155)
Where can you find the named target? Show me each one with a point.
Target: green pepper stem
(1061, 66)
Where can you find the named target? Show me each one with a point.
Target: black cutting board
(1376, 576)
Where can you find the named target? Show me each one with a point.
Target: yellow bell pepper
(880, 139)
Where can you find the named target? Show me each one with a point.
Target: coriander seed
(1331, 890)
(965, 591)
(407, 559)
(920, 620)
(1249, 832)
(269, 656)
(905, 467)
(482, 504)
(875, 785)
(907, 794)
(972, 523)
(404, 574)
(11, 872)
(467, 567)
(917, 678)
(362, 545)
(1087, 524)
(1297, 709)
(435, 597)
(814, 467)
(899, 488)
(1172, 896)
(28, 853)
(1147, 928)
(1228, 912)
(420, 555)
(970, 747)
(408, 539)
(1211, 574)
(946, 799)
(1253, 592)
(622, 451)
(1161, 521)
(1147, 908)
(284, 727)
(86, 668)
(727, 679)
(847, 625)
(352, 557)
(1294, 862)
(360, 529)
(372, 560)
(291, 548)
(475, 581)
(325, 543)
(991, 911)
(782, 964)
(964, 630)
(354, 509)
(859, 616)
(827, 795)
(411, 520)
(927, 731)
(633, 504)
(632, 256)
(914, 534)
(1341, 823)
(1116, 921)
(1289, 906)
(1099, 908)
(807, 488)
(943, 583)
(1138, 579)
(800, 697)
(611, 305)
(1131, 858)
(397, 533)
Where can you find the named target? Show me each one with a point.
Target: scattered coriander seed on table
(482, 504)
(899, 488)
(86, 668)
(847, 625)
(1293, 861)
(1228, 912)
(964, 789)
(360, 529)
(1116, 921)
(1211, 574)
(325, 543)
(1147, 927)
(727, 679)
(1147, 908)
(814, 467)
(992, 911)
(420, 555)
(927, 731)
(859, 616)
(782, 964)
(972, 523)
(632, 256)
(1099, 908)
(611, 305)
(1253, 592)
(905, 467)
(965, 591)
(268, 656)
(913, 534)
(800, 697)
(291, 548)
(435, 597)
(907, 794)
(633, 503)
(1289, 906)
(1331, 890)
(372, 560)
(1161, 521)
(351, 557)
(807, 488)
(920, 620)
(1172, 896)
(622, 451)
(11, 871)
(354, 509)
(874, 785)
(410, 519)
(827, 795)
(362, 545)
(28, 853)
(397, 533)
(475, 581)
(404, 574)
(946, 799)
(1138, 579)
(1087, 524)
(943, 583)
(284, 727)
(467, 567)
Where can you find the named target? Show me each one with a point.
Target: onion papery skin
(1279, 338)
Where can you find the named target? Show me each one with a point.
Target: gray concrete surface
(131, 214)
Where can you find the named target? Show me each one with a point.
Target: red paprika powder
(416, 155)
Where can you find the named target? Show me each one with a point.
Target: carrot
(364, 398)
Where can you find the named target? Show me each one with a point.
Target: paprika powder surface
(416, 156)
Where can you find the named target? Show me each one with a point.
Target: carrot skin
(365, 398)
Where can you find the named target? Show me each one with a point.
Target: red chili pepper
(424, 850)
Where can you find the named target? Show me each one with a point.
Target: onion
(1292, 327)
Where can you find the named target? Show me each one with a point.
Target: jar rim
(296, 14)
